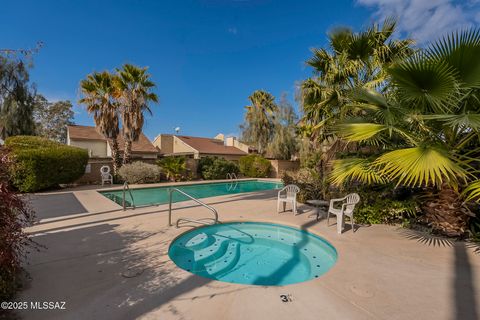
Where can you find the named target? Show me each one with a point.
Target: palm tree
(259, 119)
(352, 60)
(425, 130)
(98, 96)
(173, 167)
(133, 89)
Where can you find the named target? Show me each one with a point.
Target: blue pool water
(253, 253)
(159, 195)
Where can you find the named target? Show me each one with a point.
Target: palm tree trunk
(127, 150)
(117, 163)
(446, 213)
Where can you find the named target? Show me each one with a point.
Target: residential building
(98, 146)
(199, 147)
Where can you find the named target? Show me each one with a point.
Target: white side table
(317, 204)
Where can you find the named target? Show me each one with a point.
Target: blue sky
(206, 57)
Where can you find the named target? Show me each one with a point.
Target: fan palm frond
(357, 132)
(339, 38)
(464, 120)
(370, 96)
(428, 85)
(460, 50)
(472, 191)
(354, 169)
(420, 166)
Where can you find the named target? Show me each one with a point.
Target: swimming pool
(159, 195)
(253, 253)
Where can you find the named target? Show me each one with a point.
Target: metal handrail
(171, 190)
(127, 188)
(231, 176)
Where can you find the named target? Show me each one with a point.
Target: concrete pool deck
(106, 263)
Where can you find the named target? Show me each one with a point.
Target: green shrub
(211, 168)
(254, 166)
(309, 182)
(140, 172)
(174, 168)
(385, 205)
(15, 215)
(204, 163)
(41, 163)
(385, 211)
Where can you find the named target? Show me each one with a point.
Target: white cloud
(426, 20)
(232, 30)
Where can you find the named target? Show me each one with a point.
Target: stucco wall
(280, 166)
(181, 147)
(95, 148)
(192, 166)
(92, 171)
(164, 143)
(231, 141)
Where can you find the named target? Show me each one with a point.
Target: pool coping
(289, 224)
(181, 183)
(265, 221)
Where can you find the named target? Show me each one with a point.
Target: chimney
(220, 136)
(230, 142)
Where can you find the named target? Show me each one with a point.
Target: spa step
(210, 253)
(226, 262)
(200, 241)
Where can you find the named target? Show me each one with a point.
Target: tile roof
(77, 132)
(210, 146)
(84, 133)
(141, 145)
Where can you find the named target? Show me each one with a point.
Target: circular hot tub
(253, 253)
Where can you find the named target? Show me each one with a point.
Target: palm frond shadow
(436, 241)
(426, 239)
(475, 246)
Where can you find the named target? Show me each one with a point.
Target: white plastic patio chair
(105, 174)
(288, 195)
(347, 208)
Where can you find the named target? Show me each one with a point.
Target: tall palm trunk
(117, 162)
(127, 150)
(446, 213)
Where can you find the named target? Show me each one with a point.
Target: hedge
(254, 166)
(41, 163)
(211, 168)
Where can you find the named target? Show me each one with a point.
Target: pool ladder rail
(232, 176)
(124, 202)
(207, 221)
(200, 221)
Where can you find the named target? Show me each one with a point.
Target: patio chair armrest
(106, 175)
(281, 190)
(332, 201)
